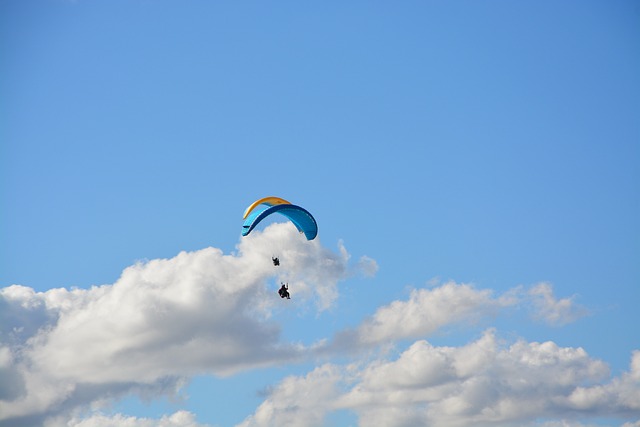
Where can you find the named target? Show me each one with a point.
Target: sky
(473, 166)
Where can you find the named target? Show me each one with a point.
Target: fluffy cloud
(483, 383)
(619, 396)
(162, 321)
(470, 385)
(430, 309)
(166, 320)
(427, 310)
(299, 401)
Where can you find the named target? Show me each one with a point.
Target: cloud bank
(483, 383)
(163, 321)
(65, 352)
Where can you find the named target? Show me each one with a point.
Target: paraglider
(284, 291)
(299, 216)
(269, 201)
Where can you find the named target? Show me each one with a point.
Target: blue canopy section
(300, 217)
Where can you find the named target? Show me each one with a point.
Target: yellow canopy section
(269, 201)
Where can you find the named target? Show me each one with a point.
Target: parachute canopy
(300, 217)
(269, 201)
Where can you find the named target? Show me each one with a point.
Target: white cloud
(620, 395)
(166, 320)
(483, 383)
(162, 321)
(551, 310)
(178, 419)
(426, 311)
(300, 401)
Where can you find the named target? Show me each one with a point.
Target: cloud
(300, 401)
(619, 396)
(426, 311)
(551, 310)
(205, 312)
(473, 384)
(162, 321)
(178, 419)
(483, 383)
(368, 266)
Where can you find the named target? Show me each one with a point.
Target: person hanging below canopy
(284, 291)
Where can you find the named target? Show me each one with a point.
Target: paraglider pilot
(284, 291)
(276, 261)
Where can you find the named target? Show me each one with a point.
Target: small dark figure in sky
(284, 291)
(276, 261)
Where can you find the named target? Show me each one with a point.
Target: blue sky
(473, 167)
